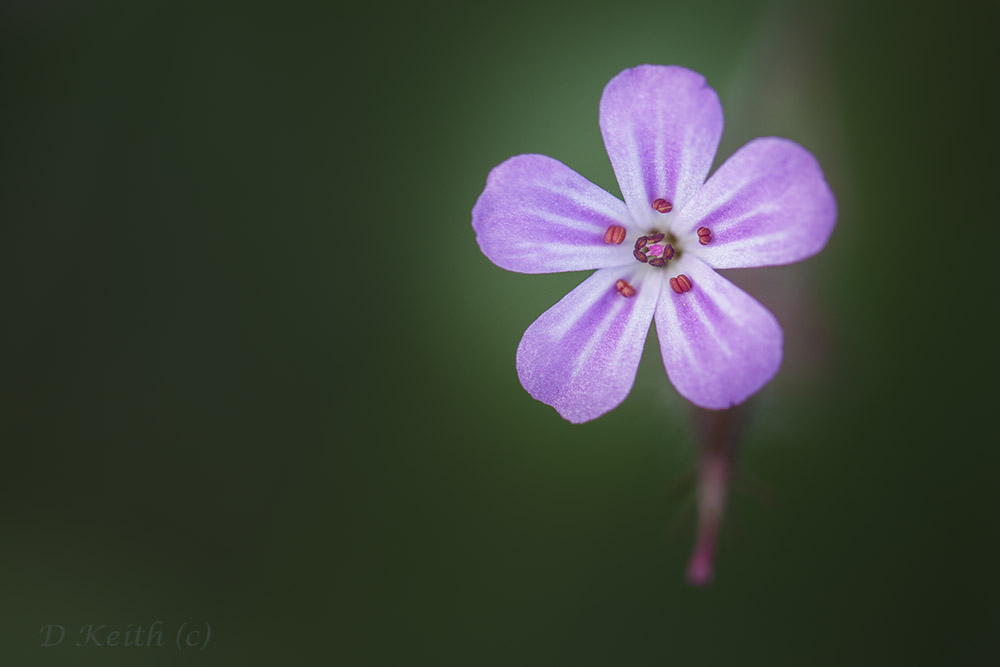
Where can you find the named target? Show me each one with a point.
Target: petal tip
(661, 126)
(536, 215)
(581, 355)
(768, 204)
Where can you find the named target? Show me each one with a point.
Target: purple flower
(657, 252)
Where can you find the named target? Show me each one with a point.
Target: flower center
(655, 249)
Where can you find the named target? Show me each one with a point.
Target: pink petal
(768, 204)
(661, 128)
(582, 354)
(719, 345)
(537, 215)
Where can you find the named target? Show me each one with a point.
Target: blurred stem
(718, 431)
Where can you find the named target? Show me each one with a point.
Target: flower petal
(719, 345)
(768, 204)
(537, 215)
(661, 128)
(582, 354)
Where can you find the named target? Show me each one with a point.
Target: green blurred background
(256, 372)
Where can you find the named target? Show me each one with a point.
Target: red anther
(655, 238)
(624, 288)
(680, 284)
(615, 234)
(657, 261)
(641, 242)
(663, 206)
(668, 251)
(704, 240)
(639, 256)
(704, 231)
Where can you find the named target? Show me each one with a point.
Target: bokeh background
(255, 371)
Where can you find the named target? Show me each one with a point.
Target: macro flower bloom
(656, 253)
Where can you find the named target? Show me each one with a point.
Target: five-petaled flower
(657, 252)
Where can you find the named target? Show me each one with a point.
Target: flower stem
(716, 466)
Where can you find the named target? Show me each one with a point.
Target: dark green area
(256, 372)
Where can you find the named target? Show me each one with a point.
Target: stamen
(663, 206)
(641, 242)
(681, 284)
(640, 256)
(668, 251)
(624, 288)
(655, 238)
(704, 235)
(657, 261)
(614, 235)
